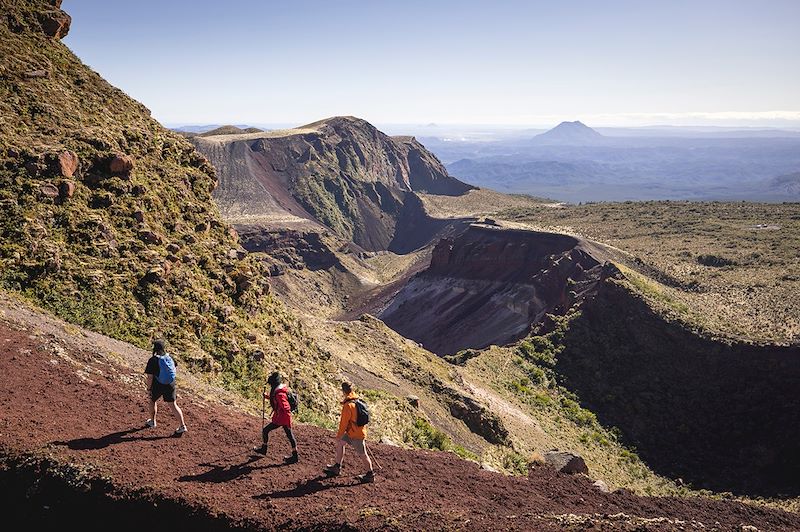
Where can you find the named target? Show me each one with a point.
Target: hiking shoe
(291, 459)
(367, 477)
(261, 449)
(180, 430)
(332, 470)
(150, 424)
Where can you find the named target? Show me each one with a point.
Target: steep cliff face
(723, 416)
(488, 286)
(341, 173)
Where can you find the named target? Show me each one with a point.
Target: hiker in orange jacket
(352, 434)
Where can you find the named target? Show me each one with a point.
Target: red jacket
(281, 412)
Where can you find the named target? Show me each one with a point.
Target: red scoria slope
(71, 413)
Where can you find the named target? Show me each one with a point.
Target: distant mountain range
(573, 162)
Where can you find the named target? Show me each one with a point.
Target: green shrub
(424, 435)
(515, 463)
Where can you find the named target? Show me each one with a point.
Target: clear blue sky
(493, 62)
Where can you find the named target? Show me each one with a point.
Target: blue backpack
(166, 369)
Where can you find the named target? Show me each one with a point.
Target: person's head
(159, 347)
(274, 379)
(347, 388)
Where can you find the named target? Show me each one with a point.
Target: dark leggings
(272, 426)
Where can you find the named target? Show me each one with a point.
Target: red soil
(90, 411)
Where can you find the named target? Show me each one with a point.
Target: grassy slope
(725, 269)
(91, 261)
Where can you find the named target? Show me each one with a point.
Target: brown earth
(77, 398)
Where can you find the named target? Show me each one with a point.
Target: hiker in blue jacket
(160, 373)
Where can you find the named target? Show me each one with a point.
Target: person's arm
(150, 370)
(344, 420)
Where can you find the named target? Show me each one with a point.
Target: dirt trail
(85, 407)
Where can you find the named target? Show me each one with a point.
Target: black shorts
(167, 391)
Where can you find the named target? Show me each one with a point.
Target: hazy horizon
(488, 126)
(509, 64)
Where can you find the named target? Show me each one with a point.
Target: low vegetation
(734, 264)
(107, 220)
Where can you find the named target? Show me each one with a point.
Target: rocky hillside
(340, 173)
(107, 218)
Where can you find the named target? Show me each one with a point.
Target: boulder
(67, 163)
(413, 400)
(601, 486)
(149, 237)
(32, 74)
(173, 247)
(138, 216)
(120, 165)
(66, 189)
(565, 462)
(48, 191)
(55, 23)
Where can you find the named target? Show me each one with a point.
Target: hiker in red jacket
(281, 417)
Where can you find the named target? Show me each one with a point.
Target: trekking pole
(372, 456)
(263, 406)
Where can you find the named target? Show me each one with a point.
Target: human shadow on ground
(224, 473)
(307, 487)
(123, 436)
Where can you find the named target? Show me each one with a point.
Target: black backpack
(291, 396)
(362, 412)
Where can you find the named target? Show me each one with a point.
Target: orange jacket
(347, 422)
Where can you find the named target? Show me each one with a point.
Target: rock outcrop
(566, 462)
(488, 286)
(55, 23)
(340, 173)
